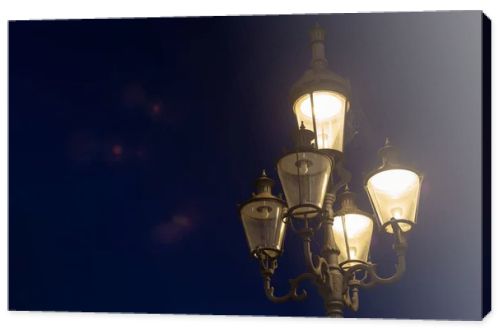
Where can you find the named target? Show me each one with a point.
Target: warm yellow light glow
(394, 182)
(326, 105)
(355, 224)
(329, 110)
(397, 213)
(358, 229)
(394, 194)
(352, 252)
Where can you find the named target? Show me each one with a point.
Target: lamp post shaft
(332, 291)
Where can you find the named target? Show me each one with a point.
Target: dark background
(132, 141)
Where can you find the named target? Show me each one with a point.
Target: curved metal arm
(268, 266)
(371, 277)
(292, 294)
(352, 301)
(306, 236)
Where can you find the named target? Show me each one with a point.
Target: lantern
(262, 218)
(352, 230)
(394, 191)
(320, 98)
(304, 176)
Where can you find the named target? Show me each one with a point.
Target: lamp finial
(263, 184)
(317, 36)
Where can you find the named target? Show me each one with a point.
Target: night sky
(132, 142)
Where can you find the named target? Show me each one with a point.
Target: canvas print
(298, 165)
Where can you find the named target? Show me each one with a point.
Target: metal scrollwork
(268, 266)
(371, 277)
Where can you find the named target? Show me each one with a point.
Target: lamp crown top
(318, 76)
(263, 184)
(317, 37)
(317, 34)
(347, 199)
(388, 153)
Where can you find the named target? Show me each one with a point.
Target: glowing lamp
(394, 191)
(320, 98)
(328, 108)
(352, 230)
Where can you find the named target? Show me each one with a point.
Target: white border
(29, 322)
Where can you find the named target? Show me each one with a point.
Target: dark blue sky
(132, 141)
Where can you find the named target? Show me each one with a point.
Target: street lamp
(320, 98)
(394, 191)
(352, 230)
(311, 175)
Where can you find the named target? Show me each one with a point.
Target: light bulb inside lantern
(397, 213)
(322, 138)
(303, 166)
(265, 211)
(352, 252)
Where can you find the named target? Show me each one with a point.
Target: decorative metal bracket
(371, 278)
(351, 297)
(268, 266)
(339, 287)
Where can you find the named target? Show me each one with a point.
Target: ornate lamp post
(311, 176)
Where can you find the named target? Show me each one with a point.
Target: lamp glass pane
(304, 177)
(329, 109)
(358, 229)
(394, 194)
(264, 225)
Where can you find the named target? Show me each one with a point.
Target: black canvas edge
(486, 165)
